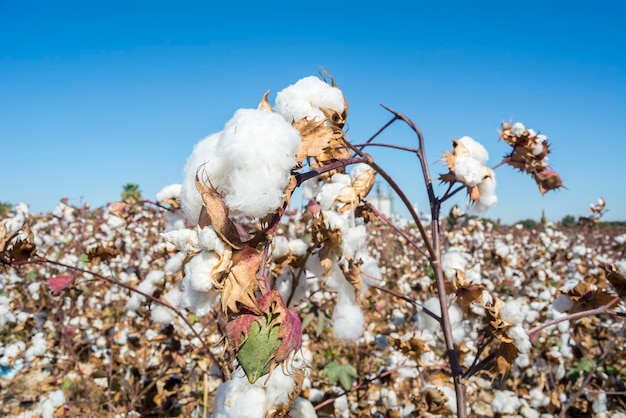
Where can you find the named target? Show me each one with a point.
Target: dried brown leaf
(215, 213)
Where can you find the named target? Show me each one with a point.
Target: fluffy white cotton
(348, 320)
(518, 128)
(452, 262)
(298, 247)
(280, 247)
(303, 408)
(237, 398)
(248, 163)
(487, 190)
(306, 99)
(469, 170)
(169, 192)
(512, 313)
(207, 164)
(164, 315)
(38, 347)
(476, 150)
(505, 402)
(183, 239)
(209, 241)
(198, 271)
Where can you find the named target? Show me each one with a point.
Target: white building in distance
(381, 199)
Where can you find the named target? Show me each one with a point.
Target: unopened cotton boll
(306, 99)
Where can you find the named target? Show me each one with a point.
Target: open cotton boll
(169, 192)
(259, 148)
(199, 269)
(469, 171)
(298, 247)
(237, 398)
(511, 312)
(255, 137)
(255, 192)
(209, 241)
(505, 402)
(164, 315)
(183, 239)
(205, 161)
(487, 190)
(451, 262)
(306, 98)
(280, 248)
(476, 150)
(348, 320)
(518, 128)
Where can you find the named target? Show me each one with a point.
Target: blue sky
(95, 94)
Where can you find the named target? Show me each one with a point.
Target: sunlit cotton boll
(468, 170)
(475, 148)
(348, 320)
(207, 164)
(259, 148)
(237, 398)
(487, 190)
(306, 98)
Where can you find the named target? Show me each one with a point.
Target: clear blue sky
(96, 94)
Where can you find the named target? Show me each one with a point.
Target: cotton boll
(174, 264)
(235, 399)
(353, 240)
(487, 190)
(298, 247)
(303, 408)
(468, 170)
(38, 347)
(348, 320)
(183, 239)
(208, 240)
(505, 402)
(169, 192)
(280, 248)
(278, 387)
(164, 315)
(328, 194)
(199, 269)
(511, 312)
(476, 150)
(205, 161)
(306, 98)
(451, 262)
(518, 128)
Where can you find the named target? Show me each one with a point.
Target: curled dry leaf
(239, 285)
(102, 253)
(215, 213)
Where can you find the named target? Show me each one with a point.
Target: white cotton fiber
(468, 170)
(348, 320)
(306, 98)
(198, 271)
(205, 161)
(298, 247)
(476, 150)
(248, 163)
(183, 239)
(169, 192)
(236, 398)
(505, 402)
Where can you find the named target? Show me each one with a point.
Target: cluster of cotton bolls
(348, 320)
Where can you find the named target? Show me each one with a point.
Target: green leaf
(584, 365)
(257, 352)
(344, 374)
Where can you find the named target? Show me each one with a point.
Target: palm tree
(131, 193)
